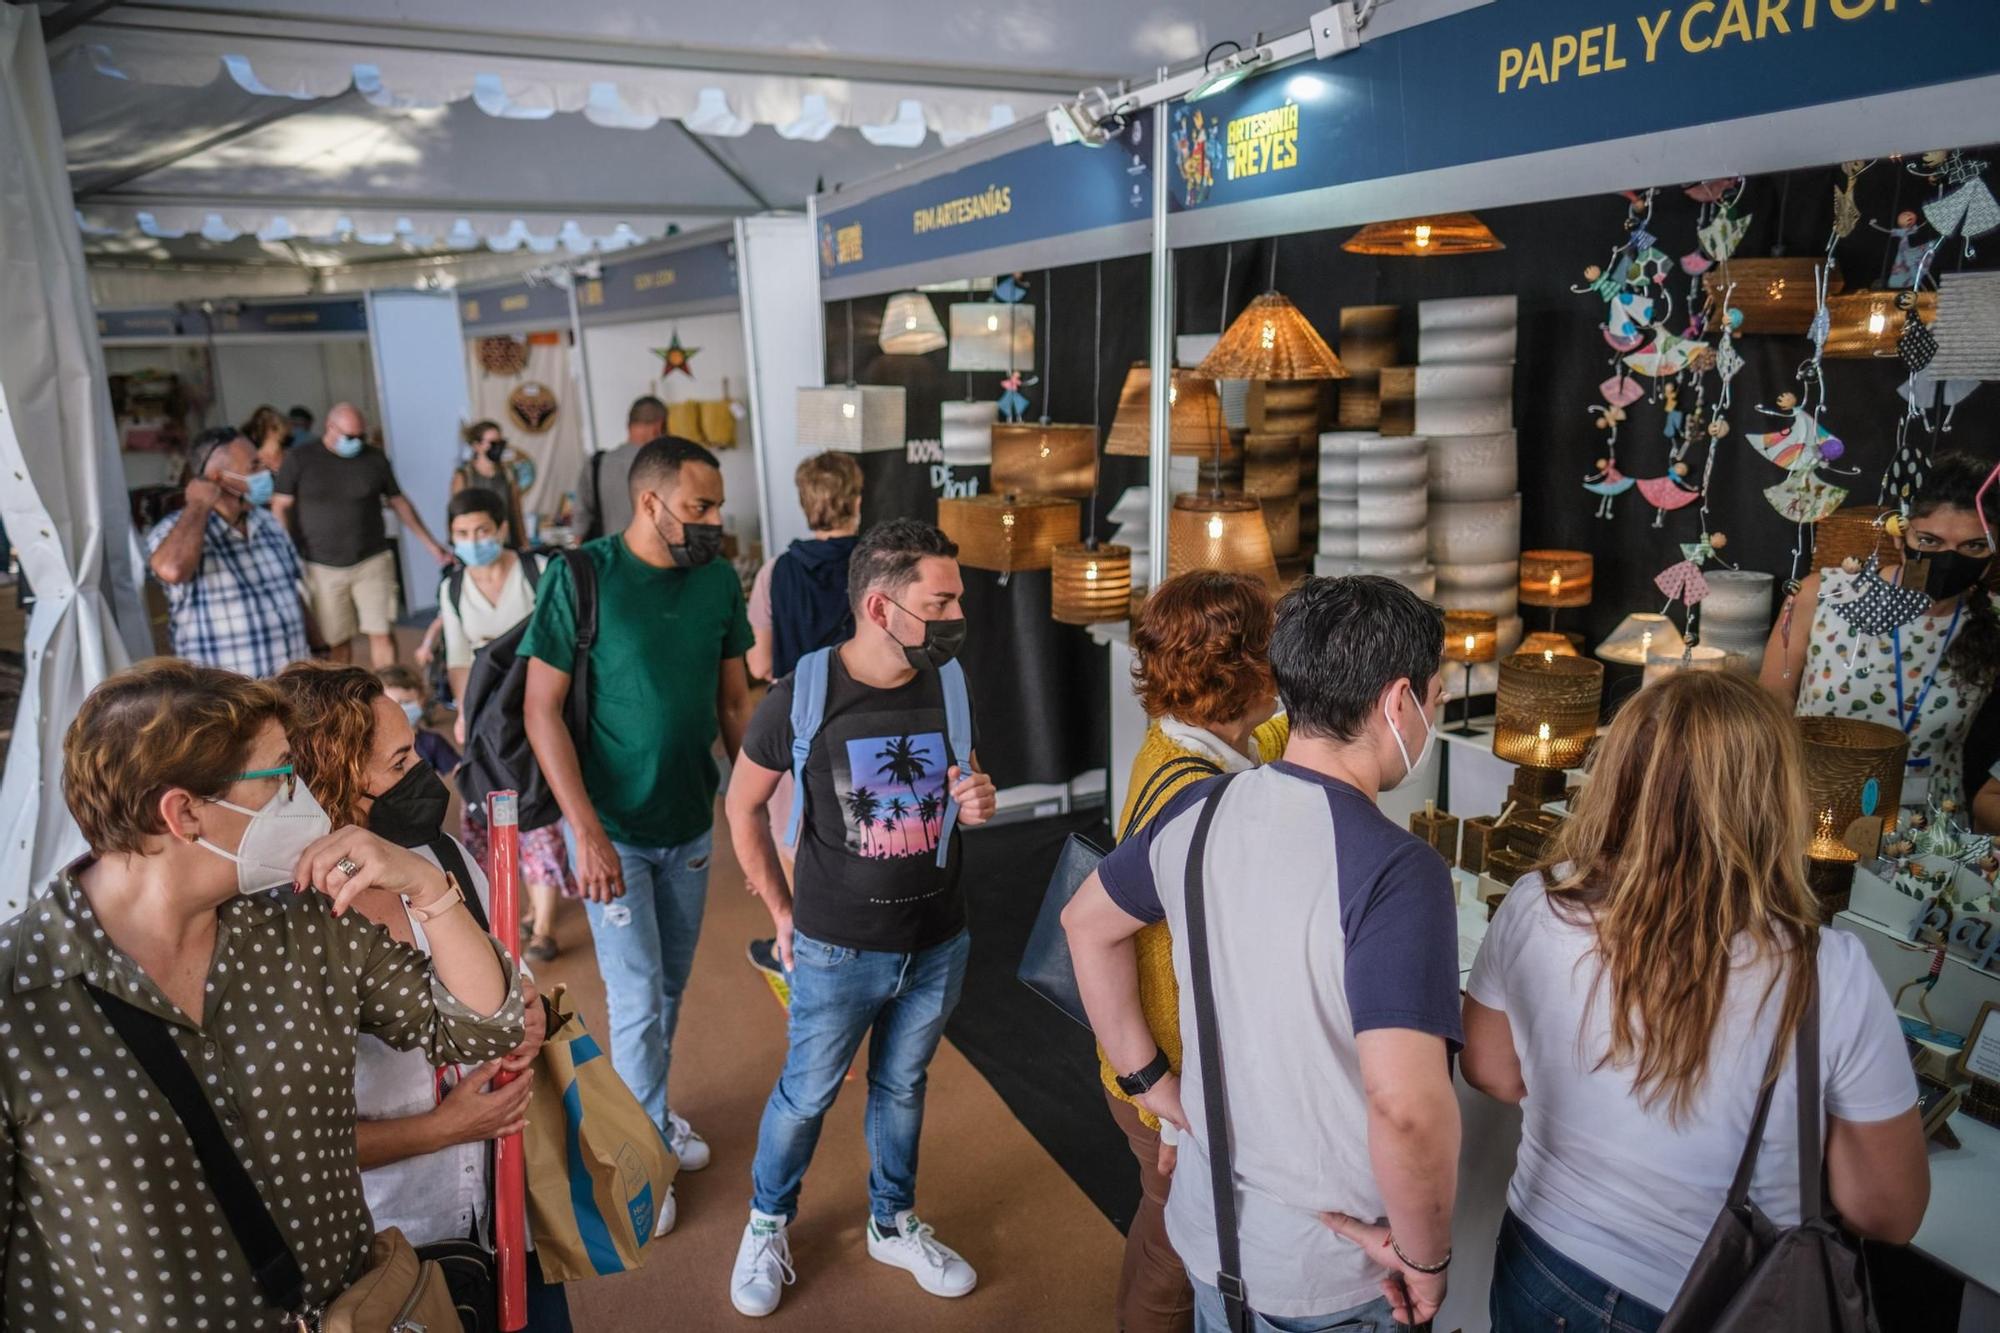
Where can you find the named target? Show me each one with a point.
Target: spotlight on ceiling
(1091, 120)
(1230, 71)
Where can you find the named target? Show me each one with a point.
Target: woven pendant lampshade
(1867, 324)
(1556, 578)
(1854, 773)
(1636, 637)
(1045, 459)
(910, 326)
(1196, 425)
(1091, 586)
(1471, 637)
(1775, 295)
(992, 335)
(1546, 711)
(1857, 531)
(1421, 238)
(1224, 532)
(1271, 340)
(1010, 533)
(852, 418)
(1548, 643)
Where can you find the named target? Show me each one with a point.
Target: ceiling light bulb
(1215, 527)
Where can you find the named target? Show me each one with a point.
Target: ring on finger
(347, 866)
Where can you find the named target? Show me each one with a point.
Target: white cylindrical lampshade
(1738, 597)
(1398, 546)
(1464, 400)
(852, 418)
(1467, 532)
(968, 433)
(1474, 467)
(1466, 330)
(992, 335)
(1488, 575)
(910, 326)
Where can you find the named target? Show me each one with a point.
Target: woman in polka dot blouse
(214, 899)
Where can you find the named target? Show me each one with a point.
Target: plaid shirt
(241, 610)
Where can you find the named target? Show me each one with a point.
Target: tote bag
(598, 1168)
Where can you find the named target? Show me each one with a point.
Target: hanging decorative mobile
(1965, 204)
(1870, 603)
(1684, 582)
(1633, 287)
(1847, 213)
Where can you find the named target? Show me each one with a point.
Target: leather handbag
(1046, 967)
(397, 1291)
(1753, 1276)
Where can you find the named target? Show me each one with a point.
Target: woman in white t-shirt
(1632, 1004)
(494, 596)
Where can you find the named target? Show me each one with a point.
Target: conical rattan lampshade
(1196, 427)
(1009, 533)
(1091, 587)
(1420, 238)
(1224, 532)
(910, 325)
(1271, 340)
(1045, 459)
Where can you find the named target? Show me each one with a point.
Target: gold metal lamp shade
(1008, 533)
(1091, 586)
(1045, 459)
(1854, 773)
(1224, 532)
(1195, 428)
(1420, 238)
(1471, 636)
(1556, 578)
(1547, 710)
(1271, 340)
(1778, 295)
(910, 325)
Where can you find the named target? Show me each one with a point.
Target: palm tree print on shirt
(901, 814)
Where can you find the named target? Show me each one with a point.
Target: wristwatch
(1140, 1082)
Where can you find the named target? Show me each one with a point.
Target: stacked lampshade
(1854, 773)
(1007, 533)
(1339, 499)
(992, 335)
(967, 430)
(1225, 532)
(1045, 459)
(1546, 710)
(1868, 324)
(1191, 349)
(1091, 585)
(1736, 614)
(1368, 345)
(910, 326)
(1375, 508)
(852, 418)
(1638, 636)
(1131, 518)
(1271, 474)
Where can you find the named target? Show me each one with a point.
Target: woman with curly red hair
(1201, 672)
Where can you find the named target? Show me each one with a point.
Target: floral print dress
(1853, 675)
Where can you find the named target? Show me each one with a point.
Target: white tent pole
(579, 369)
(1159, 457)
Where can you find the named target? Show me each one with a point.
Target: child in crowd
(405, 689)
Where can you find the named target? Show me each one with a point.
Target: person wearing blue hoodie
(799, 600)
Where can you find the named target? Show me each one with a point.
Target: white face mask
(1423, 751)
(274, 839)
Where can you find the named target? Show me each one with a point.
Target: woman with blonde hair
(1635, 998)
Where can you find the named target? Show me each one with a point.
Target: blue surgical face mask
(257, 487)
(481, 552)
(414, 711)
(348, 446)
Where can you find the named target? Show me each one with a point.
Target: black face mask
(1950, 573)
(943, 639)
(700, 544)
(496, 451)
(411, 813)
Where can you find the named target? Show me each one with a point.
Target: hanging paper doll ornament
(1721, 235)
(1631, 314)
(1621, 390)
(1846, 213)
(1623, 344)
(1675, 417)
(1673, 491)
(1874, 606)
(1804, 498)
(1668, 355)
(1009, 289)
(1694, 263)
(1802, 446)
(1713, 192)
(1968, 207)
(1684, 582)
(1608, 483)
(1605, 284)
(1903, 273)
(1012, 401)
(1916, 345)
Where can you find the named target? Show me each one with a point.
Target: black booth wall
(1039, 688)
(1562, 358)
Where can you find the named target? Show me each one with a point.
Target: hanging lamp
(1421, 238)
(1222, 531)
(852, 418)
(1271, 340)
(910, 325)
(992, 335)
(1195, 424)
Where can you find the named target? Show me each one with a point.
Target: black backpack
(498, 756)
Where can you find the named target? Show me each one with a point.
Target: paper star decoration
(676, 356)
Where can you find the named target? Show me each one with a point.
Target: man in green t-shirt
(638, 796)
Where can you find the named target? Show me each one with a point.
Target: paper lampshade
(1196, 424)
(1368, 337)
(1281, 520)
(992, 335)
(1269, 473)
(1224, 532)
(1010, 533)
(852, 418)
(1556, 578)
(1775, 295)
(1547, 643)
(1854, 772)
(1288, 407)
(1546, 710)
(910, 326)
(1635, 637)
(1471, 636)
(1858, 531)
(1271, 340)
(967, 429)
(1091, 587)
(1045, 460)
(1664, 660)
(1420, 238)
(1868, 324)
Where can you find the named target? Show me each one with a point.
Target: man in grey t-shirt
(603, 495)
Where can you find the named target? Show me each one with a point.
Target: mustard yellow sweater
(1159, 994)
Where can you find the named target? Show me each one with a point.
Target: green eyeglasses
(283, 771)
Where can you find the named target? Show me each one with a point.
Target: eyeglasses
(285, 771)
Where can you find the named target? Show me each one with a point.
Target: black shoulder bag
(1753, 1276)
(1046, 967)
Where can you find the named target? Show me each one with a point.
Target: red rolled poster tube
(510, 1178)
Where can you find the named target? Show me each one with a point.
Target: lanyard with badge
(1909, 717)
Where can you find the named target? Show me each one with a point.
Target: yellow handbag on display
(684, 420)
(718, 420)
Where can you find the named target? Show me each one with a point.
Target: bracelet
(438, 906)
(1428, 1270)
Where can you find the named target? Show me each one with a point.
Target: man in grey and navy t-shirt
(1334, 953)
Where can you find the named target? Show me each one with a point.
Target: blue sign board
(513, 303)
(317, 318)
(698, 273)
(1527, 76)
(1030, 194)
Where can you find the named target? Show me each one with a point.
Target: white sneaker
(763, 1266)
(937, 1268)
(670, 1213)
(689, 1146)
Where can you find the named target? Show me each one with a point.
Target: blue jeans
(1536, 1290)
(645, 950)
(840, 996)
(1210, 1316)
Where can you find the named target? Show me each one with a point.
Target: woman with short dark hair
(491, 468)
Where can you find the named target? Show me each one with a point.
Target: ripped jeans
(645, 949)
